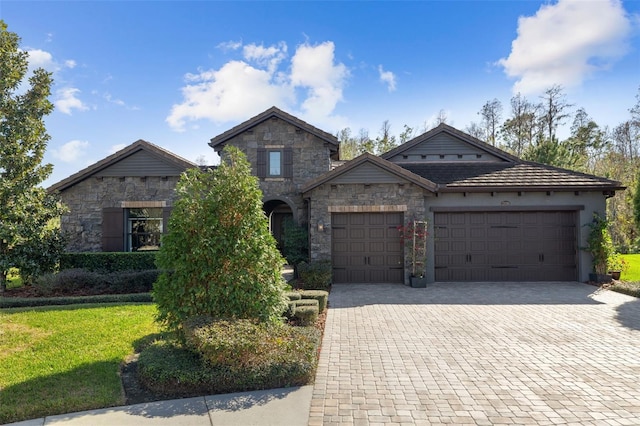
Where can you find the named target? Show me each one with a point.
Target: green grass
(632, 273)
(64, 359)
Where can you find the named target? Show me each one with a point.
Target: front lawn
(632, 273)
(65, 359)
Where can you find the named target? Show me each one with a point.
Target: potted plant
(600, 246)
(414, 236)
(616, 265)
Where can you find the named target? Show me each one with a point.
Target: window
(275, 163)
(144, 229)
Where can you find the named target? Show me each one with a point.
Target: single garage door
(505, 246)
(366, 248)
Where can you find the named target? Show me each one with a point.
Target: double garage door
(505, 246)
(366, 248)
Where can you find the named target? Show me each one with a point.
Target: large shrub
(219, 257)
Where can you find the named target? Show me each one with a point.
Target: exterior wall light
(320, 226)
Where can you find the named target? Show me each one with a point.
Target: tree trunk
(3, 282)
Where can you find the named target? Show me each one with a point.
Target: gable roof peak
(217, 143)
(465, 137)
(139, 145)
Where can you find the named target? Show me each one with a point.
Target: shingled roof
(219, 141)
(515, 175)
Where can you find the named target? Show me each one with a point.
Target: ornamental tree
(219, 257)
(27, 241)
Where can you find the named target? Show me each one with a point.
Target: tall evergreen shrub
(219, 256)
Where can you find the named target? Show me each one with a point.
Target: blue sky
(179, 73)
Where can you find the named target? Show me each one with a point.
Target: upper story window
(275, 163)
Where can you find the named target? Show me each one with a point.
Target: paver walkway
(479, 354)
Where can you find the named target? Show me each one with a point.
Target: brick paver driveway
(479, 353)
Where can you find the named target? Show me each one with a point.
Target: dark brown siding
(112, 229)
(141, 163)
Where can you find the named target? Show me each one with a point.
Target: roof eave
(139, 145)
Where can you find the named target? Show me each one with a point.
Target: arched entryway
(278, 211)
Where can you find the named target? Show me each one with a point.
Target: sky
(178, 73)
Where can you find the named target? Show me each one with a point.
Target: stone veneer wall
(311, 158)
(86, 199)
(361, 198)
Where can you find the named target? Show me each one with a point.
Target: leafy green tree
(219, 256)
(520, 129)
(587, 141)
(26, 209)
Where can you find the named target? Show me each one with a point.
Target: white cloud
(242, 88)
(71, 151)
(388, 78)
(70, 63)
(229, 45)
(41, 59)
(109, 98)
(67, 100)
(265, 56)
(566, 42)
(314, 68)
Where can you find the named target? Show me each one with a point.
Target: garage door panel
(516, 246)
(357, 247)
(367, 247)
(376, 247)
(377, 233)
(477, 245)
(356, 233)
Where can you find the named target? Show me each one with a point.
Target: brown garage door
(505, 246)
(366, 248)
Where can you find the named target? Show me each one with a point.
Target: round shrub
(307, 315)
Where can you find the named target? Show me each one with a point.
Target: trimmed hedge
(109, 261)
(74, 281)
(628, 288)
(293, 295)
(29, 302)
(307, 315)
(315, 275)
(230, 356)
(320, 295)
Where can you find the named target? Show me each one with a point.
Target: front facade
(490, 215)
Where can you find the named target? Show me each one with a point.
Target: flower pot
(418, 282)
(615, 274)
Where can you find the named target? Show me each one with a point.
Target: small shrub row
(305, 306)
(314, 275)
(74, 281)
(109, 261)
(230, 356)
(30, 302)
(629, 288)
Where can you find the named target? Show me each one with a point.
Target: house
(491, 216)
(123, 202)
